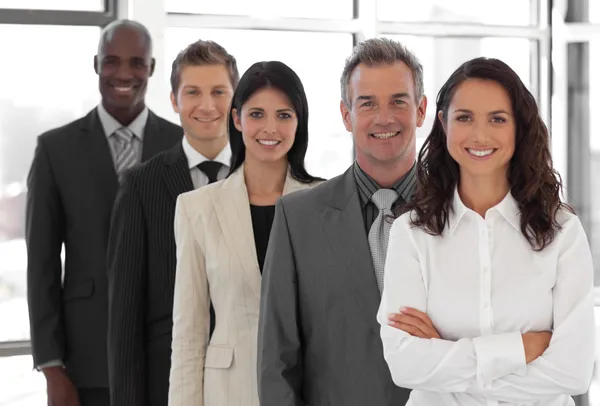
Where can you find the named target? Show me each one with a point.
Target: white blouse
(483, 286)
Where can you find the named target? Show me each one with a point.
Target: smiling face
(203, 100)
(268, 124)
(480, 129)
(124, 64)
(384, 113)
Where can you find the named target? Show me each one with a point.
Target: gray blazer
(318, 339)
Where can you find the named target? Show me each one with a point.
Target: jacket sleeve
(45, 235)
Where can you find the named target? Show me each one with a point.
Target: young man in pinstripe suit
(142, 257)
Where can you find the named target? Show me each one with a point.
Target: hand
(414, 322)
(535, 344)
(61, 391)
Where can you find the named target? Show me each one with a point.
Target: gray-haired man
(318, 341)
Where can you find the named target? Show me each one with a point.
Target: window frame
(60, 17)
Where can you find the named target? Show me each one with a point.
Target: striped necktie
(380, 230)
(125, 156)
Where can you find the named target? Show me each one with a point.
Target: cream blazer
(216, 259)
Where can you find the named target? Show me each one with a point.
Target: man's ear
(346, 116)
(174, 103)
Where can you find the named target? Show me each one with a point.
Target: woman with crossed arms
(488, 289)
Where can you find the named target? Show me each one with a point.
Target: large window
(47, 80)
(330, 146)
(44, 84)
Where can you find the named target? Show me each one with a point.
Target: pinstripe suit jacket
(141, 276)
(216, 260)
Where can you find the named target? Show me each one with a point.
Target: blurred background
(47, 79)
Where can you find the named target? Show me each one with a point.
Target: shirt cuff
(53, 363)
(499, 355)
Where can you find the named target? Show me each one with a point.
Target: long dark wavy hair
(277, 75)
(534, 183)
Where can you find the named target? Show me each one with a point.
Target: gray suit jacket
(318, 340)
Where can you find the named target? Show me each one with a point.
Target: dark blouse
(262, 220)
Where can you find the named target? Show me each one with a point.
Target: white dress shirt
(483, 286)
(195, 158)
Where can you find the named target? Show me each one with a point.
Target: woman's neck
(264, 180)
(481, 193)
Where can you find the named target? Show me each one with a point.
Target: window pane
(331, 9)
(441, 56)
(583, 11)
(594, 12)
(74, 5)
(509, 12)
(594, 391)
(330, 146)
(20, 385)
(594, 105)
(45, 89)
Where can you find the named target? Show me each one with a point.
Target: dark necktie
(211, 169)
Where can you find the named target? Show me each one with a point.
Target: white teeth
(123, 89)
(268, 142)
(476, 152)
(384, 136)
(205, 120)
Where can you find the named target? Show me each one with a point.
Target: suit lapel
(233, 212)
(343, 223)
(292, 185)
(97, 151)
(232, 206)
(176, 173)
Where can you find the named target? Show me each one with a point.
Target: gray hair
(377, 51)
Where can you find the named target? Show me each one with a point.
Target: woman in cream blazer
(222, 230)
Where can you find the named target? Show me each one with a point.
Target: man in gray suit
(318, 340)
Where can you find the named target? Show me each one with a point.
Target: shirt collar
(195, 158)
(508, 209)
(405, 186)
(110, 124)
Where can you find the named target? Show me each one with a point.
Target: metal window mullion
(55, 17)
(14, 348)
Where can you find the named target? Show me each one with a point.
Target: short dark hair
(203, 53)
(107, 33)
(534, 183)
(276, 75)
